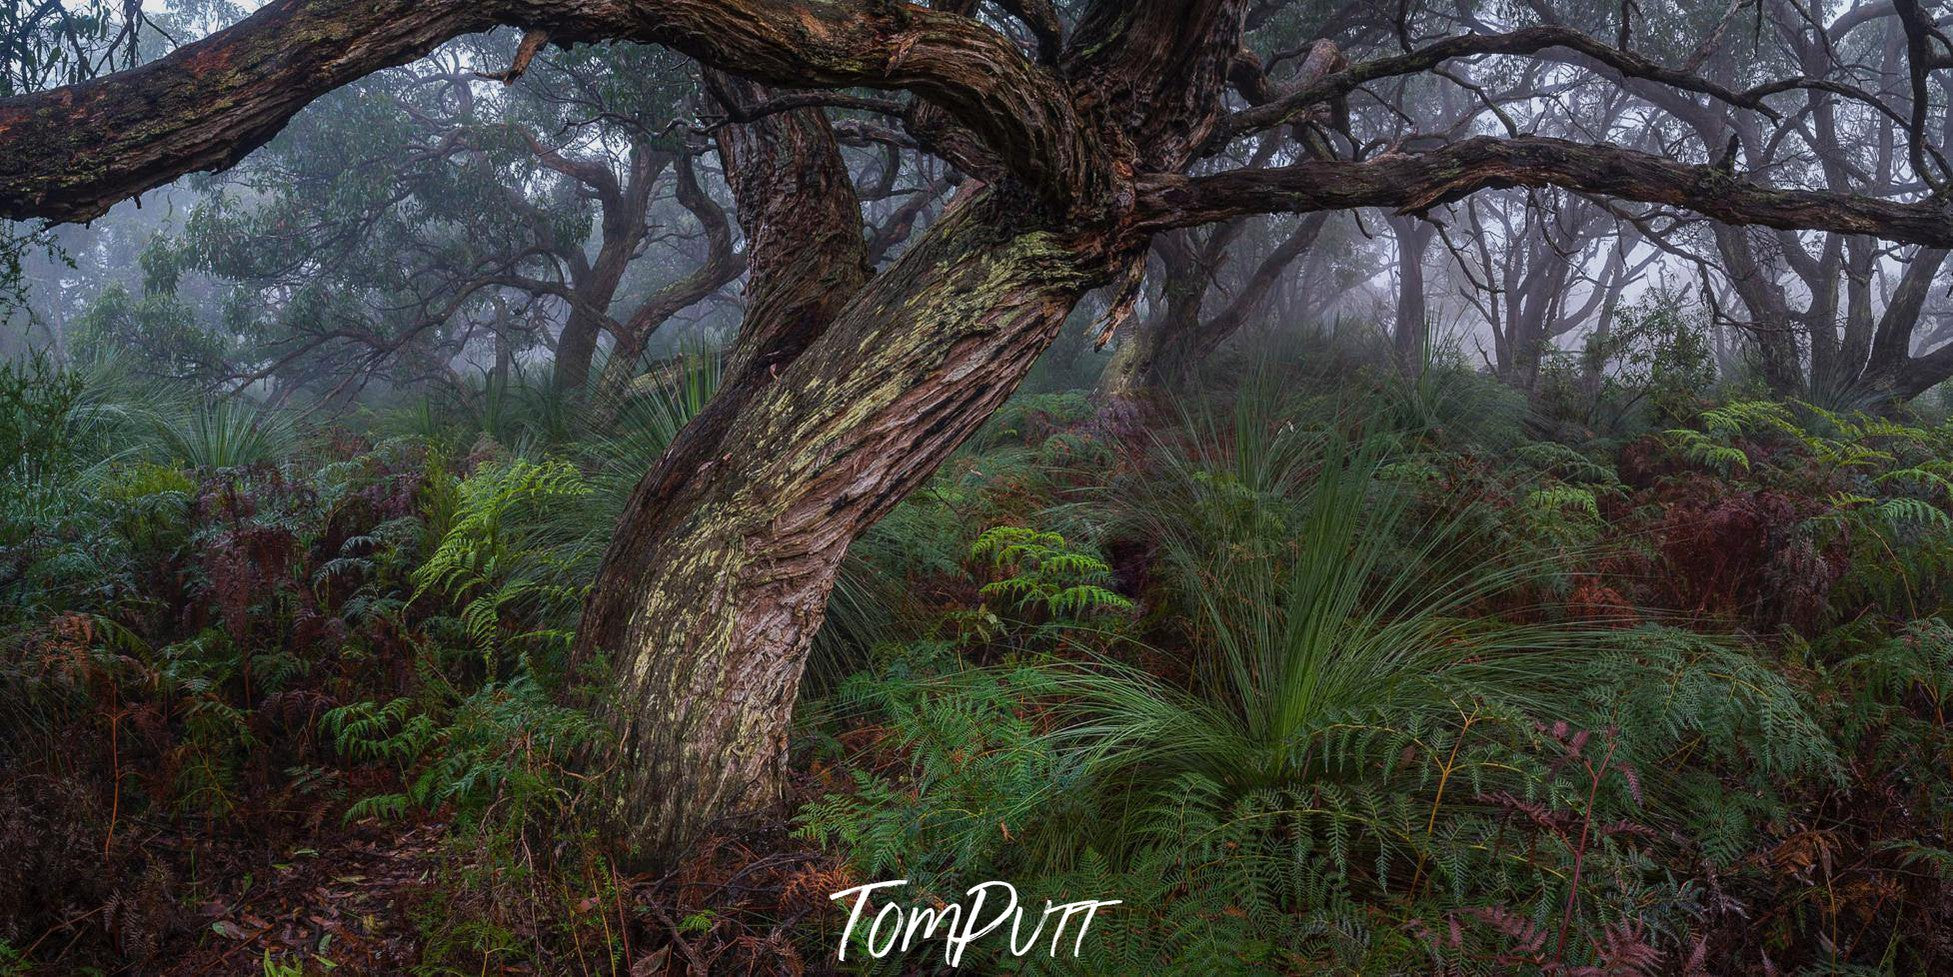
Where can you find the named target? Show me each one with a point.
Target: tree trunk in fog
(576, 349)
(1150, 355)
(1169, 347)
(504, 342)
(1769, 310)
(719, 266)
(593, 284)
(1892, 373)
(1249, 299)
(58, 324)
(1412, 336)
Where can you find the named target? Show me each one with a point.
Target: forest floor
(1602, 706)
(347, 901)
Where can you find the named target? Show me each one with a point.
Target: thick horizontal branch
(1529, 40)
(70, 153)
(1415, 184)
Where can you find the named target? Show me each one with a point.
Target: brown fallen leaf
(651, 964)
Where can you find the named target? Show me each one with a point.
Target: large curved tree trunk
(840, 396)
(718, 577)
(719, 573)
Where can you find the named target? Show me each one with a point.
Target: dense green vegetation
(662, 488)
(1319, 671)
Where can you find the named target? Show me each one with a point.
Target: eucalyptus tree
(1854, 93)
(1543, 265)
(409, 211)
(1183, 329)
(1865, 126)
(1078, 139)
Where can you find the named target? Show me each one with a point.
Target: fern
(395, 732)
(1046, 572)
(491, 561)
(1702, 449)
(1556, 500)
(1564, 463)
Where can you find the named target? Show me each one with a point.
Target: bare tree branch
(1530, 40)
(1414, 184)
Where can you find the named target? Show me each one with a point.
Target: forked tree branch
(1041, 18)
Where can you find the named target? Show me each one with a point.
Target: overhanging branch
(70, 153)
(1415, 184)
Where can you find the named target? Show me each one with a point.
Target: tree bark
(1411, 339)
(838, 397)
(1420, 182)
(719, 574)
(70, 153)
(718, 577)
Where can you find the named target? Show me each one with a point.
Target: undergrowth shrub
(1316, 677)
(1360, 767)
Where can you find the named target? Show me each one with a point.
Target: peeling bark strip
(1414, 184)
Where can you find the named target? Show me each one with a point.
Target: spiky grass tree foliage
(1377, 753)
(1340, 623)
(229, 433)
(645, 416)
